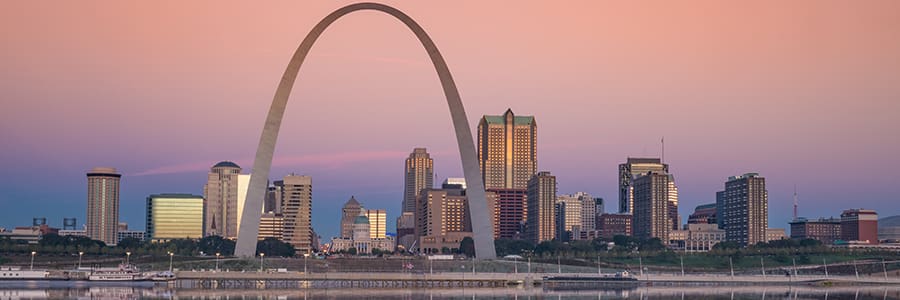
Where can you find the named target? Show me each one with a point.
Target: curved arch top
(482, 221)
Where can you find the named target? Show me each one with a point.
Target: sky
(806, 93)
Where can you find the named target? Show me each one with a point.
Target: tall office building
(271, 225)
(600, 209)
(560, 212)
(419, 176)
(103, 205)
(510, 212)
(573, 212)
(588, 210)
(221, 193)
(507, 150)
(674, 218)
(746, 209)
(349, 212)
(859, 225)
(720, 209)
(628, 171)
(541, 222)
(174, 216)
(651, 206)
(296, 199)
(442, 219)
(377, 222)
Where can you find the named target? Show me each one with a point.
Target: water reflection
(65, 290)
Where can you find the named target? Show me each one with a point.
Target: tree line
(73, 245)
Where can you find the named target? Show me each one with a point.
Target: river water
(76, 290)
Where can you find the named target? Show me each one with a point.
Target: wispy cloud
(322, 161)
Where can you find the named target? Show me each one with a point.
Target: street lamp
(262, 261)
(32, 259)
(305, 256)
(80, 254)
(217, 260)
(516, 264)
(171, 258)
(127, 257)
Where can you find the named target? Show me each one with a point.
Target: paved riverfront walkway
(519, 278)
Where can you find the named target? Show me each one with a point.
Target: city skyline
(818, 125)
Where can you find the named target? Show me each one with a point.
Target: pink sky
(804, 92)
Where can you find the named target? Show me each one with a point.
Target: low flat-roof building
(825, 230)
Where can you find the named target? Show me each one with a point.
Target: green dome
(361, 220)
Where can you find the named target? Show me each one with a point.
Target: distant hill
(889, 221)
(889, 228)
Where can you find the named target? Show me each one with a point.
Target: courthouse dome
(226, 164)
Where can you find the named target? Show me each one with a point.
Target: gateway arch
(482, 221)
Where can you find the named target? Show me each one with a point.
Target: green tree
(467, 246)
(729, 245)
(210, 245)
(445, 250)
(130, 244)
(275, 247)
(506, 247)
(352, 251)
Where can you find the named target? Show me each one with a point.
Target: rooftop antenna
(796, 202)
(662, 141)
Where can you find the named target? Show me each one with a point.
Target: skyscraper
(507, 150)
(510, 212)
(221, 193)
(377, 222)
(588, 210)
(746, 209)
(572, 214)
(296, 199)
(628, 171)
(651, 206)
(674, 218)
(419, 176)
(541, 222)
(442, 219)
(349, 212)
(174, 216)
(103, 205)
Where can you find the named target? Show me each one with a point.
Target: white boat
(122, 273)
(16, 273)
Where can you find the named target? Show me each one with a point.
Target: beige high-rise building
(377, 223)
(103, 205)
(296, 200)
(419, 176)
(573, 213)
(541, 222)
(221, 194)
(442, 218)
(349, 212)
(746, 209)
(628, 172)
(271, 225)
(651, 206)
(507, 150)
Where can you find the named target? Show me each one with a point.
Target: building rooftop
(352, 202)
(361, 220)
(226, 164)
(176, 196)
(517, 120)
